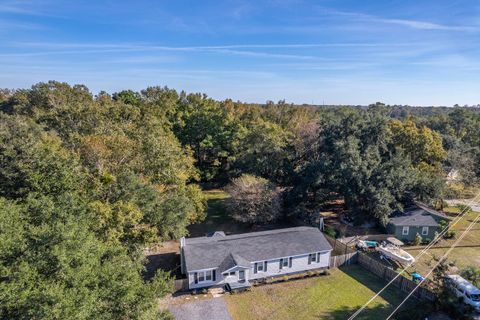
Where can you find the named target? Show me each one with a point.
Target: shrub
(285, 278)
(450, 234)
(464, 208)
(329, 231)
(309, 273)
(418, 240)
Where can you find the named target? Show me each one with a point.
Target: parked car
(466, 291)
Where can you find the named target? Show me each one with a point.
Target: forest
(88, 182)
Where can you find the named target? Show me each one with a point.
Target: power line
(471, 225)
(434, 241)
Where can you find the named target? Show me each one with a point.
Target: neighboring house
(417, 219)
(218, 260)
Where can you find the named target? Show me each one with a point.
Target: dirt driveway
(214, 308)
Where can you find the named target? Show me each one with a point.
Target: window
(232, 273)
(260, 266)
(405, 231)
(312, 257)
(203, 276)
(208, 275)
(424, 231)
(285, 263)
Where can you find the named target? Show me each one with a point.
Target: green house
(416, 219)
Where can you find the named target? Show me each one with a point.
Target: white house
(235, 259)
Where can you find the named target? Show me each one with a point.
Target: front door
(241, 275)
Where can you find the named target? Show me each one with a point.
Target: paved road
(211, 309)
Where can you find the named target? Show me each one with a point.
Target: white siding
(220, 280)
(299, 264)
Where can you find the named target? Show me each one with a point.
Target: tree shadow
(169, 261)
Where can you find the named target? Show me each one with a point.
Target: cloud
(415, 24)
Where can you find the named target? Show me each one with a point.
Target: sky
(421, 52)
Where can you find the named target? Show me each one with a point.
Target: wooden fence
(343, 260)
(388, 274)
(180, 285)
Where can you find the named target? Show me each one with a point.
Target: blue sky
(333, 52)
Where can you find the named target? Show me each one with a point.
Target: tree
(211, 131)
(472, 274)
(53, 267)
(254, 200)
(263, 151)
(356, 160)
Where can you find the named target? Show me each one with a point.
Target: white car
(465, 290)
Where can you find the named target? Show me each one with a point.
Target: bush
(464, 208)
(450, 234)
(329, 231)
(418, 240)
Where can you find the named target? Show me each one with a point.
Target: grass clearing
(328, 297)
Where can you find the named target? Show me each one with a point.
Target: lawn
(335, 296)
(467, 252)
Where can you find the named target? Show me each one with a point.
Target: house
(417, 219)
(220, 259)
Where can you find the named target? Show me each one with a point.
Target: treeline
(87, 182)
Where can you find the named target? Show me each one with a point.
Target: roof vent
(216, 234)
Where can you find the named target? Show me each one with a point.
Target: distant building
(417, 219)
(218, 260)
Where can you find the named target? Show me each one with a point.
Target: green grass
(335, 296)
(217, 218)
(467, 252)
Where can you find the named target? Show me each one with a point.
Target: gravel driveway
(475, 205)
(210, 309)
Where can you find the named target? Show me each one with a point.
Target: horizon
(303, 52)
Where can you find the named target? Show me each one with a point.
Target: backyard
(335, 296)
(467, 252)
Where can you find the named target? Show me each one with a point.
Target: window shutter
(195, 277)
(290, 262)
(309, 259)
(255, 268)
(214, 275)
(265, 267)
(318, 257)
(281, 264)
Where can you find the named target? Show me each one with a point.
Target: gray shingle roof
(228, 251)
(420, 215)
(419, 219)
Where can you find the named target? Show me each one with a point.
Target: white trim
(241, 267)
(426, 229)
(200, 270)
(294, 256)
